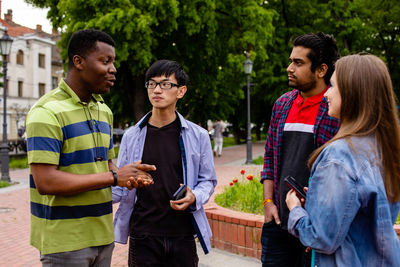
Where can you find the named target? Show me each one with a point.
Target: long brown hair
(369, 108)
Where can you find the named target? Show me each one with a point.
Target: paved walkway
(15, 250)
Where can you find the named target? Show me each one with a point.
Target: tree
(207, 37)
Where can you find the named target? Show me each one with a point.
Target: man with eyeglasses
(161, 230)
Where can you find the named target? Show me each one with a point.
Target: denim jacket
(199, 175)
(347, 219)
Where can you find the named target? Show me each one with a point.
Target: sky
(26, 15)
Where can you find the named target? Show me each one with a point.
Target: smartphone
(180, 193)
(292, 183)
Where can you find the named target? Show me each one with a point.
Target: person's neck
(319, 88)
(162, 117)
(78, 87)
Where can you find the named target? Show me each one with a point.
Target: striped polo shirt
(64, 131)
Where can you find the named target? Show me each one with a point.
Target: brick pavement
(15, 250)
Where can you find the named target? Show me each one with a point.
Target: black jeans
(162, 251)
(281, 249)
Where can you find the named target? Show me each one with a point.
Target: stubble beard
(304, 87)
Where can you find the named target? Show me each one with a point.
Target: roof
(15, 29)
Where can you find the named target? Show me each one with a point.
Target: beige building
(34, 68)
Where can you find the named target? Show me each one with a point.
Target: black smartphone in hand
(292, 183)
(180, 193)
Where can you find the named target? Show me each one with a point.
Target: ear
(78, 62)
(321, 70)
(181, 91)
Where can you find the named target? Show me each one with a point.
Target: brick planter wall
(235, 232)
(239, 232)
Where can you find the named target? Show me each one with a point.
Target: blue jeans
(279, 248)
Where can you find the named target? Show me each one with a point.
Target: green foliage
(19, 163)
(116, 151)
(398, 219)
(259, 160)
(243, 195)
(208, 37)
(4, 184)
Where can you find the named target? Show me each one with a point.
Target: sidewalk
(15, 250)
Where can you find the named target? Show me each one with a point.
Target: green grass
(4, 184)
(116, 151)
(259, 160)
(244, 195)
(19, 163)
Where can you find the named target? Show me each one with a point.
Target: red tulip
(242, 171)
(249, 177)
(235, 180)
(231, 183)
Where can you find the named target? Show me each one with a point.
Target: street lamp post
(248, 66)
(5, 48)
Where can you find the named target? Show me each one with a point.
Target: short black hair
(323, 50)
(167, 68)
(84, 41)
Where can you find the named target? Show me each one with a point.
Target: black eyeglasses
(165, 85)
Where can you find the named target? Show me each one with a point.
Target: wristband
(114, 173)
(267, 200)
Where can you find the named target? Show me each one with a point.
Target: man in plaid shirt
(299, 124)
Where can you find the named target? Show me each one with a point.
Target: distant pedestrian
(218, 137)
(353, 198)
(70, 151)
(161, 230)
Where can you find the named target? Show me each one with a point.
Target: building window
(54, 82)
(20, 57)
(41, 60)
(41, 89)
(20, 88)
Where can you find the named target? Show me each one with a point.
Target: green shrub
(4, 184)
(243, 194)
(116, 151)
(259, 160)
(19, 163)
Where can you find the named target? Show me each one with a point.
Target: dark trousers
(281, 249)
(162, 251)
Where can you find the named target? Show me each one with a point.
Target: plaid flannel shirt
(325, 128)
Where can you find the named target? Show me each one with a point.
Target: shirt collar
(65, 87)
(182, 122)
(311, 100)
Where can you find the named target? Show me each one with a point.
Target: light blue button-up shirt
(199, 175)
(347, 219)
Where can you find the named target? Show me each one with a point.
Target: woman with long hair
(354, 191)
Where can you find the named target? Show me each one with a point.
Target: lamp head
(247, 65)
(5, 44)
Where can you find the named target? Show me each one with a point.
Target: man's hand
(135, 175)
(271, 213)
(183, 203)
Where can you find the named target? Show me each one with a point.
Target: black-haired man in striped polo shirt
(70, 148)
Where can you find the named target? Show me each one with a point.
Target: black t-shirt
(152, 214)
